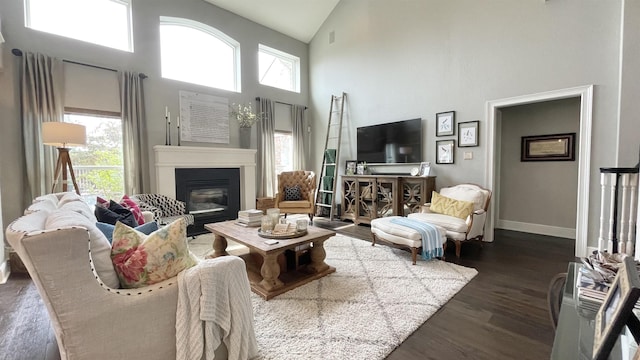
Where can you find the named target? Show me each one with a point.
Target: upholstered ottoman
(402, 236)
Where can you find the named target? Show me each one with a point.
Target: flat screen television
(391, 143)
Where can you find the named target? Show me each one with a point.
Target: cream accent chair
(306, 180)
(459, 230)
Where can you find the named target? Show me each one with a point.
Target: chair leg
(373, 242)
(311, 218)
(414, 254)
(458, 246)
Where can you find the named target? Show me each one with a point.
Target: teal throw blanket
(431, 243)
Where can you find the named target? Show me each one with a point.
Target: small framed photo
(445, 123)
(617, 310)
(361, 168)
(468, 133)
(350, 167)
(425, 169)
(444, 151)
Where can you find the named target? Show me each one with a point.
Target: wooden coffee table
(264, 272)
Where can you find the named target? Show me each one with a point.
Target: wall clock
(444, 151)
(468, 133)
(445, 123)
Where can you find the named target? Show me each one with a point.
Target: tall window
(99, 166)
(199, 54)
(102, 22)
(278, 69)
(284, 151)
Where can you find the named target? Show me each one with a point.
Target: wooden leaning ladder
(328, 176)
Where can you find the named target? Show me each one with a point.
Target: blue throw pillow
(107, 229)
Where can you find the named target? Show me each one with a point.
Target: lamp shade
(63, 134)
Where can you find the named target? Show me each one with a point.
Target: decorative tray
(289, 235)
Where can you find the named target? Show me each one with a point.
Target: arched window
(199, 54)
(102, 22)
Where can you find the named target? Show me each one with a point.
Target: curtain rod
(280, 102)
(18, 52)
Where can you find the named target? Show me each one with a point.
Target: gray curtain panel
(297, 115)
(134, 130)
(266, 150)
(41, 94)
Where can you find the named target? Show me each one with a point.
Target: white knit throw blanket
(214, 305)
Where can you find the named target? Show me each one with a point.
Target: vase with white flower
(246, 119)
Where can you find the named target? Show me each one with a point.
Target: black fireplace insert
(211, 195)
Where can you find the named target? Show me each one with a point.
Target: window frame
(219, 35)
(126, 3)
(295, 60)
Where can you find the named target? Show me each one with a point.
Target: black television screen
(396, 142)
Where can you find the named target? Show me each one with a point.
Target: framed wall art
(556, 147)
(444, 151)
(445, 123)
(468, 133)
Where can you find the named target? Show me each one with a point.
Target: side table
(264, 203)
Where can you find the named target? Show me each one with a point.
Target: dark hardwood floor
(501, 314)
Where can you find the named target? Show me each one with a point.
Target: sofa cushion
(81, 208)
(292, 193)
(452, 207)
(115, 213)
(42, 205)
(69, 197)
(98, 244)
(107, 229)
(142, 260)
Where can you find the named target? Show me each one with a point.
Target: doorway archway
(585, 93)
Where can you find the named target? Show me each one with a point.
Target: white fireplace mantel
(168, 158)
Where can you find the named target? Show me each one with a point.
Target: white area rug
(371, 304)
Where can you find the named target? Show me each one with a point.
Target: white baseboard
(5, 270)
(537, 229)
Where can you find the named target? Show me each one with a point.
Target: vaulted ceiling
(299, 19)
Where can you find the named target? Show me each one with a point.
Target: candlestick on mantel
(179, 135)
(166, 126)
(169, 117)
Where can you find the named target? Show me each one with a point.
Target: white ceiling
(299, 19)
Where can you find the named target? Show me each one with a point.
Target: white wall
(407, 59)
(158, 91)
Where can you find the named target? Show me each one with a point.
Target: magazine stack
(250, 218)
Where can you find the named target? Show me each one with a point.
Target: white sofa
(69, 260)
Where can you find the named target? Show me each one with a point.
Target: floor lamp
(62, 135)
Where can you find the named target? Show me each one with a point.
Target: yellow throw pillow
(448, 206)
(141, 260)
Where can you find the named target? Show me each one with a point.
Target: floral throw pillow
(292, 193)
(141, 260)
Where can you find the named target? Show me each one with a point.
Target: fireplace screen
(208, 200)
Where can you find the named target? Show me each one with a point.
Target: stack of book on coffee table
(250, 218)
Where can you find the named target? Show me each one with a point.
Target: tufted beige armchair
(459, 230)
(305, 181)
